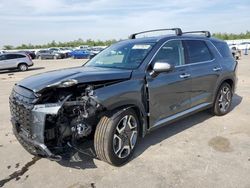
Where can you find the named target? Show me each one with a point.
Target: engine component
(81, 130)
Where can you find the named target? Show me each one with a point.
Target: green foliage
(232, 36)
(90, 42)
(74, 43)
(8, 47)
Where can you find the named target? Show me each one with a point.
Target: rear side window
(14, 56)
(197, 51)
(223, 48)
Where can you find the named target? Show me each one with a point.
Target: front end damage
(49, 121)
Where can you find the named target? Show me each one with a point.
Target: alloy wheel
(225, 99)
(125, 136)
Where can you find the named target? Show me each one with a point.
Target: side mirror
(160, 67)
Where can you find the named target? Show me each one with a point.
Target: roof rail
(207, 33)
(178, 32)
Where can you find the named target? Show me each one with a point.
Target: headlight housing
(64, 84)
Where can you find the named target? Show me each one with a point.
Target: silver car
(19, 61)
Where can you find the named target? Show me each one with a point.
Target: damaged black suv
(123, 93)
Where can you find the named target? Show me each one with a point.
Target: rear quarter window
(223, 48)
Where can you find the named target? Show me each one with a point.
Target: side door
(47, 54)
(3, 63)
(11, 61)
(169, 92)
(205, 70)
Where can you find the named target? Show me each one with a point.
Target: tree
(8, 47)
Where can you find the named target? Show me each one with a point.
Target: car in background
(19, 61)
(80, 54)
(48, 54)
(96, 50)
(83, 47)
(63, 53)
(2, 51)
(30, 53)
(243, 46)
(235, 51)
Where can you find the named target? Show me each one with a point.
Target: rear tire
(223, 100)
(23, 67)
(116, 137)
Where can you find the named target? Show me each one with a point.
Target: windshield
(121, 55)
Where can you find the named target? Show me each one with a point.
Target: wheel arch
(140, 115)
(22, 63)
(228, 80)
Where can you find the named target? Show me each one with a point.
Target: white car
(243, 46)
(19, 61)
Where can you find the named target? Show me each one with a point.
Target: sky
(41, 21)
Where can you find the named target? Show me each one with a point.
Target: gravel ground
(199, 151)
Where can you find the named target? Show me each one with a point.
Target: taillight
(30, 57)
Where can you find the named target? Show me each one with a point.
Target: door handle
(216, 69)
(185, 75)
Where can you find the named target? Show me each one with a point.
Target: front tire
(116, 137)
(223, 100)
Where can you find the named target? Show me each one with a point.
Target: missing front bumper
(31, 145)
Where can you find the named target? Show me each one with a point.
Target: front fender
(129, 92)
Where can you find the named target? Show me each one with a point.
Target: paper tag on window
(141, 47)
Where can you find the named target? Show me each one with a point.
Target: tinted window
(43, 51)
(223, 48)
(2, 57)
(14, 56)
(171, 52)
(20, 56)
(197, 51)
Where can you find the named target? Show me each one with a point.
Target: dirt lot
(199, 151)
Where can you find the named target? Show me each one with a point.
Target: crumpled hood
(81, 74)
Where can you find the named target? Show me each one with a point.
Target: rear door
(205, 71)
(11, 60)
(169, 93)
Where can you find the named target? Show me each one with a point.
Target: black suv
(126, 91)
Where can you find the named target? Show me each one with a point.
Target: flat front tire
(116, 137)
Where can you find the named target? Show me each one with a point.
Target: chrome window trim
(198, 63)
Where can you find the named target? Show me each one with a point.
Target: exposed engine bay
(61, 117)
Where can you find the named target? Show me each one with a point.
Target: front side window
(121, 55)
(172, 52)
(2, 57)
(197, 51)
